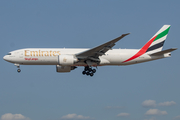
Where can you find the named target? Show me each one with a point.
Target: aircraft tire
(93, 70)
(87, 73)
(91, 74)
(18, 70)
(84, 72)
(86, 68)
(90, 69)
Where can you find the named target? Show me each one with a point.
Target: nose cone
(5, 57)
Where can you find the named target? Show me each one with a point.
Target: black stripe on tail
(156, 46)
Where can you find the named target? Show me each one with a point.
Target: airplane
(102, 55)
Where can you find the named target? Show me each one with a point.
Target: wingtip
(174, 48)
(126, 34)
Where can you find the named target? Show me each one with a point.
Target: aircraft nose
(4, 57)
(7, 58)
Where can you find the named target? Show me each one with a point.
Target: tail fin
(157, 41)
(154, 45)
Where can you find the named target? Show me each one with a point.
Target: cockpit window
(9, 54)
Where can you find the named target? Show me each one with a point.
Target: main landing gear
(88, 71)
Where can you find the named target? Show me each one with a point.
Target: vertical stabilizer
(159, 38)
(155, 44)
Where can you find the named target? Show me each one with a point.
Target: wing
(100, 50)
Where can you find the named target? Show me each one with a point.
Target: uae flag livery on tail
(155, 44)
(158, 43)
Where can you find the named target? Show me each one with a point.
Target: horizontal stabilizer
(163, 52)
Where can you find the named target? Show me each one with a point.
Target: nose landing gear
(18, 66)
(88, 71)
(18, 70)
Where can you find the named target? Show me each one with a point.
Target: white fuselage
(49, 56)
(68, 59)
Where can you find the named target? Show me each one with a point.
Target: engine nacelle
(66, 60)
(63, 68)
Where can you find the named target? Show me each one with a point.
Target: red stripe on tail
(142, 50)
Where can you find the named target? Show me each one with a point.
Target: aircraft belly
(143, 58)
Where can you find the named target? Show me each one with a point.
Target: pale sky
(146, 91)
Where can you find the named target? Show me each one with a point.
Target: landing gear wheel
(84, 72)
(90, 69)
(18, 70)
(93, 70)
(87, 73)
(86, 68)
(91, 74)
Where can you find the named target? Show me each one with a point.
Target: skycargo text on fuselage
(29, 53)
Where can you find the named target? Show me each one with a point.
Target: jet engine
(66, 60)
